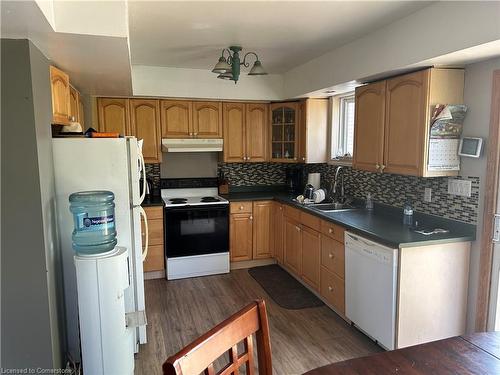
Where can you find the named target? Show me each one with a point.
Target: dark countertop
(152, 200)
(383, 224)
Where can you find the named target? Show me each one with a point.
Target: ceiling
(285, 34)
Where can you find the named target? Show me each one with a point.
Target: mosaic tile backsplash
(385, 188)
(153, 173)
(250, 174)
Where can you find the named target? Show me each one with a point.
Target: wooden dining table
(477, 353)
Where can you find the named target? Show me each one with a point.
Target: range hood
(191, 145)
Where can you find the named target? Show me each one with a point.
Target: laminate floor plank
(181, 310)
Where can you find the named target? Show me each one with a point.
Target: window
(342, 128)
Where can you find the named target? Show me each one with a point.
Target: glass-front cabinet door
(284, 132)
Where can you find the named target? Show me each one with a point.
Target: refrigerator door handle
(145, 251)
(144, 182)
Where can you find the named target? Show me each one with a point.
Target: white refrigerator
(114, 164)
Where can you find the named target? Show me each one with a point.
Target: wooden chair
(200, 355)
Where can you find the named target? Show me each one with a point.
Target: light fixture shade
(226, 75)
(257, 69)
(222, 66)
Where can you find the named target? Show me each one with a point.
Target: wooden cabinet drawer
(292, 213)
(333, 256)
(155, 260)
(310, 221)
(333, 290)
(154, 212)
(333, 230)
(155, 232)
(240, 207)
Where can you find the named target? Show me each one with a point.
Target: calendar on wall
(444, 140)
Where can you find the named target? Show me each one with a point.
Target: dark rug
(283, 288)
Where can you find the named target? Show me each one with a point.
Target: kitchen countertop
(152, 200)
(383, 224)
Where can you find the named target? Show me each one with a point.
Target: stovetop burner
(178, 200)
(210, 199)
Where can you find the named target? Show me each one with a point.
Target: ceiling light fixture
(229, 68)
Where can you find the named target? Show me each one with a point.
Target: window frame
(337, 129)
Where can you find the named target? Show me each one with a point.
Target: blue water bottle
(94, 221)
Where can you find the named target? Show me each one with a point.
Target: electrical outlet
(462, 188)
(428, 195)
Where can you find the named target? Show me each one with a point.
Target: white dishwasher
(370, 288)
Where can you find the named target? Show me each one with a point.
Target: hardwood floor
(181, 310)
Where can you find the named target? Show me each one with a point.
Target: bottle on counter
(408, 213)
(369, 201)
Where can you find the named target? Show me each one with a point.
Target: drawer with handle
(333, 256)
(333, 230)
(333, 290)
(240, 207)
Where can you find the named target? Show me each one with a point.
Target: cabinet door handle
(304, 158)
(298, 228)
(190, 134)
(251, 217)
(330, 256)
(377, 166)
(195, 134)
(241, 208)
(330, 230)
(294, 158)
(382, 167)
(330, 289)
(248, 157)
(281, 208)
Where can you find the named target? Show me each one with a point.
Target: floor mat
(283, 288)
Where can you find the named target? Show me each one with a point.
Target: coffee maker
(295, 179)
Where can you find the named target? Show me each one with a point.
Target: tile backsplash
(385, 188)
(153, 173)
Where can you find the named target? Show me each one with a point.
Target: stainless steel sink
(332, 207)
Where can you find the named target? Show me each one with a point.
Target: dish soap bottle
(408, 213)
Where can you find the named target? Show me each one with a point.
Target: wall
(31, 308)
(477, 95)
(438, 29)
(189, 164)
(197, 83)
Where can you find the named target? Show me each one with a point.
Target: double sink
(332, 207)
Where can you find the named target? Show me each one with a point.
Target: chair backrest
(200, 355)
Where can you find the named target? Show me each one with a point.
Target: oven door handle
(145, 218)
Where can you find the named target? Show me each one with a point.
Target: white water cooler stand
(106, 342)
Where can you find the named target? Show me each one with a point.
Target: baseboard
(151, 275)
(252, 263)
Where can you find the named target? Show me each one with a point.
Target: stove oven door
(196, 230)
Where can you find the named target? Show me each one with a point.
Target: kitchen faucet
(339, 170)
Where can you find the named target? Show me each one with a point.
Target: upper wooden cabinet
(113, 115)
(256, 130)
(234, 132)
(404, 106)
(284, 132)
(59, 82)
(369, 129)
(176, 119)
(207, 119)
(188, 119)
(145, 124)
(76, 106)
(81, 112)
(313, 131)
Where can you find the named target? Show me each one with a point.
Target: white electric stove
(196, 227)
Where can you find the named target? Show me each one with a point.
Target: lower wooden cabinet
(292, 245)
(240, 238)
(155, 260)
(250, 231)
(278, 232)
(333, 290)
(262, 213)
(311, 250)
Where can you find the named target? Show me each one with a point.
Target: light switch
(462, 188)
